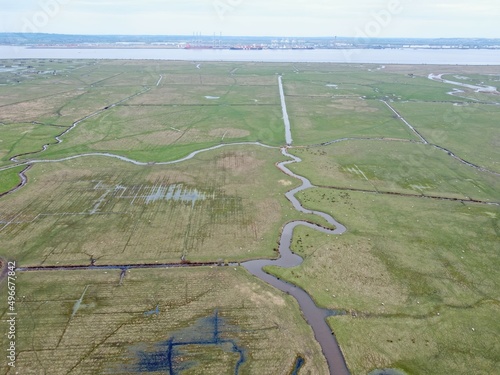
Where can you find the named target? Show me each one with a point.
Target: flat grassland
(114, 326)
(224, 204)
(423, 271)
(469, 130)
(410, 165)
(395, 167)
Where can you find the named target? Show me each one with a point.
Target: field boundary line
(409, 195)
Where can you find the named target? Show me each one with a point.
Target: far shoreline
(405, 56)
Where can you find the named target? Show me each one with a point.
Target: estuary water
(375, 56)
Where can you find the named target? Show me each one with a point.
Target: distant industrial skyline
(360, 18)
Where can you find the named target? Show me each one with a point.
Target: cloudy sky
(355, 18)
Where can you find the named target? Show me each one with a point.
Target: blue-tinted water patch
(173, 356)
(176, 192)
(332, 312)
(155, 311)
(299, 362)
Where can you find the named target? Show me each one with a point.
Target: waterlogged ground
(122, 163)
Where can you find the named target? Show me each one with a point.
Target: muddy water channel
(314, 315)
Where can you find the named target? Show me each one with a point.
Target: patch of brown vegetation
(174, 177)
(269, 213)
(228, 133)
(34, 110)
(285, 182)
(238, 162)
(354, 105)
(256, 80)
(260, 298)
(159, 138)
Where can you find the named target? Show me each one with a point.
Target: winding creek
(314, 315)
(24, 181)
(476, 88)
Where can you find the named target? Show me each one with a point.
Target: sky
(354, 18)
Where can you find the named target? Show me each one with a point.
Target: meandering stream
(314, 315)
(476, 88)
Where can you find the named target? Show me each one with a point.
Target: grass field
(224, 204)
(110, 329)
(163, 133)
(469, 130)
(18, 139)
(313, 122)
(458, 341)
(415, 273)
(396, 167)
(417, 278)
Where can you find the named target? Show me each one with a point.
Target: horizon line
(249, 36)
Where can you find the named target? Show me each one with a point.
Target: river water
(376, 56)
